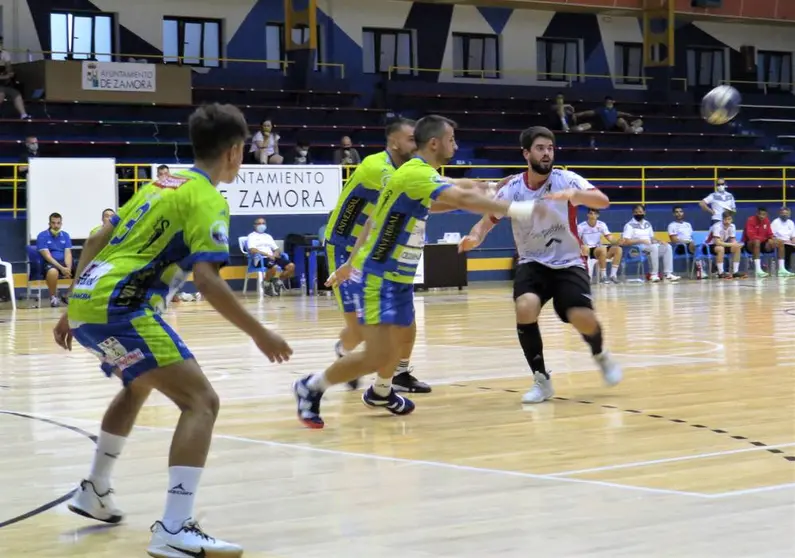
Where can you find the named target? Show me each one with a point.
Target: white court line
(410, 462)
(669, 460)
(757, 490)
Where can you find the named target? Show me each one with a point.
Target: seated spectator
(611, 119)
(718, 202)
(8, 85)
(265, 145)
(563, 117)
(784, 231)
(591, 232)
(55, 247)
(263, 248)
(639, 232)
(107, 215)
(31, 150)
(681, 232)
(301, 155)
(346, 154)
(163, 171)
(723, 235)
(758, 238)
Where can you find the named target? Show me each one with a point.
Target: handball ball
(720, 105)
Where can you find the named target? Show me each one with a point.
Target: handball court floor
(692, 455)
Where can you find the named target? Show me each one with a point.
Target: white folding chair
(9, 280)
(242, 242)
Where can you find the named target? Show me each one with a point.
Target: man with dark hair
(612, 119)
(550, 265)
(55, 247)
(107, 215)
(758, 237)
(129, 271)
(681, 232)
(385, 265)
(590, 232)
(723, 235)
(162, 171)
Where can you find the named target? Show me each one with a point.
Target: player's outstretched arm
(477, 235)
(471, 200)
(215, 290)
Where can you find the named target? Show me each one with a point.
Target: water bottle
(303, 283)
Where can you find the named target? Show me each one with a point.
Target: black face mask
(639, 217)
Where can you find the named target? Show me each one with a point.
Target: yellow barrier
(641, 179)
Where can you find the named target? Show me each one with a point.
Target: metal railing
(772, 182)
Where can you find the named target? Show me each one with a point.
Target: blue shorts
(135, 346)
(336, 256)
(379, 301)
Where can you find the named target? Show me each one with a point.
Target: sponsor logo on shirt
(219, 233)
(170, 181)
(92, 274)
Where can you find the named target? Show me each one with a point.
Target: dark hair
(593, 210)
(397, 124)
(55, 216)
(530, 135)
(609, 98)
(108, 209)
(162, 167)
(677, 207)
(761, 208)
(639, 206)
(214, 129)
(727, 214)
(429, 127)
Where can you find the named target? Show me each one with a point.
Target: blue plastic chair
(634, 255)
(747, 257)
(685, 255)
(35, 266)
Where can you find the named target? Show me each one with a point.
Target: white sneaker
(611, 370)
(89, 503)
(655, 278)
(541, 390)
(189, 541)
(672, 277)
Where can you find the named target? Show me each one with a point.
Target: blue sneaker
(394, 403)
(308, 404)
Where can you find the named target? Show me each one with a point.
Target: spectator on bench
(591, 233)
(564, 118)
(107, 215)
(639, 232)
(784, 230)
(758, 238)
(55, 247)
(611, 119)
(346, 154)
(301, 154)
(265, 145)
(681, 232)
(7, 85)
(263, 248)
(723, 235)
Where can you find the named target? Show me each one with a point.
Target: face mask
(639, 217)
(784, 217)
(721, 188)
(33, 147)
(303, 152)
(261, 228)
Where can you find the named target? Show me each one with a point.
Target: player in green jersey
(127, 274)
(349, 222)
(386, 264)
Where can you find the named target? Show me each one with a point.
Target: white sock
(318, 382)
(402, 367)
(604, 274)
(382, 386)
(758, 264)
(614, 271)
(183, 482)
(720, 267)
(736, 267)
(780, 265)
(109, 447)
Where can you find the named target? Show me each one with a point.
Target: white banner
(119, 76)
(280, 189)
(419, 277)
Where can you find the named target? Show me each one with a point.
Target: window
(705, 66)
(81, 36)
(193, 41)
(385, 49)
(629, 63)
(274, 44)
(558, 59)
(774, 70)
(476, 55)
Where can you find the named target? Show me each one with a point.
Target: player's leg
(571, 297)
(720, 255)
(755, 248)
(351, 336)
(385, 311)
(530, 295)
(780, 247)
(668, 261)
(737, 252)
(600, 253)
(51, 276)
(615, 253)
(653, 251)
(404, 379)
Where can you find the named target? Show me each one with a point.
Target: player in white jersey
(591, 232)
(718, 202)
(723, 236)
(784, 231)
(550, 265)
(681, 232)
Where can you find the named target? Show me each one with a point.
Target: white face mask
(721, 188)
(261, 228)
(302, 152)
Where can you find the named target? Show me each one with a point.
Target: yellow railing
(640, 179)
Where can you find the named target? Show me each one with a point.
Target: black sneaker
(406, 382)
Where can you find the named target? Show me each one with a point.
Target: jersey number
(128, 226)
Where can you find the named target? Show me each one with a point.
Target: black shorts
(683, 248)
(568, 287)
(592, 250)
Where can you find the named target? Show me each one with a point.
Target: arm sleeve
(605, 229)
(271, 243)
(505, 194)
(207, 230)
(41, 243)
(580, 229)
(578, 182)
(428, 186)
(68, 243)
(708, 199)
(627, 232)
(671, 229)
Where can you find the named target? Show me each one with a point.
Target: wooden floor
(692, 455)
